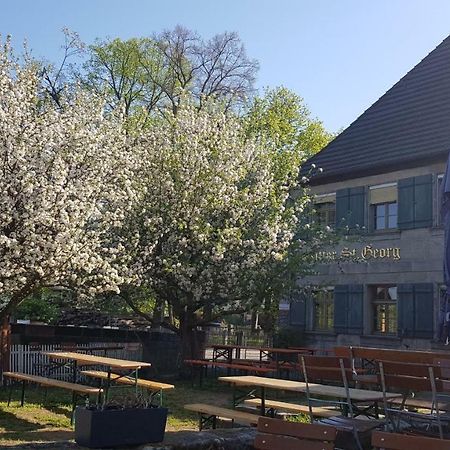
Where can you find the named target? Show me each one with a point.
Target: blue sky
(339, 55)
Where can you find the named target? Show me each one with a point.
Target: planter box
(96, 428)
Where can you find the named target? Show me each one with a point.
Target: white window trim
(384, 185)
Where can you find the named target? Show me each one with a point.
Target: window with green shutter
(415, 200)
(348, 309)
(350, 208)
(415, 310)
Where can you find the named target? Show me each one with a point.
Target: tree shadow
(11, 423)
(41, 439)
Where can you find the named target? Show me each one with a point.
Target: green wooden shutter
(415, 310)
(342, 207)
(405, 203)
(405, 310)
(350, 208)
(297, 313)
(355, 309)
(415, 196)
(357, 206)
(423, 198)
(341, 295)
(424, 308)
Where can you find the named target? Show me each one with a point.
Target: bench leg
(22, 397)
(203, 420)
(74, 404)
(44, 398)
(10, 392)
(99, 395)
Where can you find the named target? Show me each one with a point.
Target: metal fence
(237, 336)
(30, 358)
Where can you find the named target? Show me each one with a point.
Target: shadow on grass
(38, 436)
(11, 423)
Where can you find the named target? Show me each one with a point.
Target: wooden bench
(369, 355)
(249, 369)
(420, 403)
(78, 390)
(275, 405)
(253, 368)
(394, 441)
(154, 387)
(210, 413)
(275, 434)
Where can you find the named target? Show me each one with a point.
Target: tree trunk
(171, 317)
(5, 344)
(158, 313)
(192, 340)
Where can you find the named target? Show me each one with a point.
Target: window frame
(386, 228)
(323, 297)
(327, 208)
(375, 302)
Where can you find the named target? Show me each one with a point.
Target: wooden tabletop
(89, 349)
(314, 388)
(292, 351)
(232, 346)
(100, 360)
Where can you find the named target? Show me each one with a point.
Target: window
(385, 216)
(384, 303)
(326, 214)
(323, 310)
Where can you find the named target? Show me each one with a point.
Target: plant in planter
(114, 426)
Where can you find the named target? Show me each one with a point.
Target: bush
(288, 337)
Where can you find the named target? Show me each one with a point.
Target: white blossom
(64, 185)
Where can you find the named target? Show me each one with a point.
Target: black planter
(96, 428)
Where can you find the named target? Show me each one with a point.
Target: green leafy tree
(281, 120)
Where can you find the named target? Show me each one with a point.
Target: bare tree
(217, 67)
(56, 77)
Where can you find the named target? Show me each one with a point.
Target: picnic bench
(203, 364)
(78, 390)
(370, 355)
(253, 383)
(394, 441)
(210, 413)
(76, 359)
(275, 405)
(153, 387)
(275, 434)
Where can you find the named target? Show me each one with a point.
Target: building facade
(380, 187)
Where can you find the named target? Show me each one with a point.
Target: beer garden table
(226, 351)
(254, 383)
(284, 358)
(82, 359)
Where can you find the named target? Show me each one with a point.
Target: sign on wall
(366, 253)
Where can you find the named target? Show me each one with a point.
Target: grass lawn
(50, 422)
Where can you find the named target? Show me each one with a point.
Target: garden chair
(411, 379)
(276, 434)
(337, 370)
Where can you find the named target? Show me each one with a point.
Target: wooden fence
(30, 358)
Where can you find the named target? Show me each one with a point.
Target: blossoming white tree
(64, 188)
(216, 218)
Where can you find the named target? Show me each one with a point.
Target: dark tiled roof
(408, 125)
